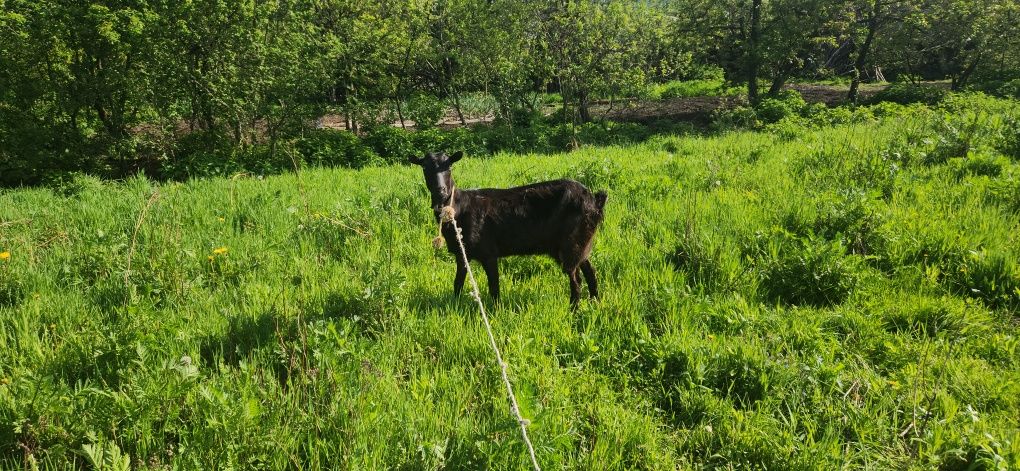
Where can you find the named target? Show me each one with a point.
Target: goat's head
(436, 167)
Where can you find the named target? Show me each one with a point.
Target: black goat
(556, 218)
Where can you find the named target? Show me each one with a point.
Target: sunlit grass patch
(827, 301)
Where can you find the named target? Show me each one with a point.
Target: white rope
(448, 214)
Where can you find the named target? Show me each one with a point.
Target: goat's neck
(447, 201)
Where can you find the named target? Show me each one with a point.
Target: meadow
(835, 294)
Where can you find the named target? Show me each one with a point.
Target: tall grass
(814, 301)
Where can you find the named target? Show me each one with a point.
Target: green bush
(888, 109)
(202, 154)
(73, 184)
(993, 277)
(1007, 193)
(786, 104)
(597, 174)
(906, 93)
(853, 220)
(690, 88)
(447, 140)
(391, 144)
(425, 110)
(804, 271)
(952, 139)
(1010, 89)
(738, 117)
(704, 261)
(742, 374)
(789, 128)
(332, 148)
(611, 133)
(1009, 142)
(925, 316)
(978, 164)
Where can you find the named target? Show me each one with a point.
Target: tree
(950, 38)
(777, 38)
(597, 48)
(870, 17)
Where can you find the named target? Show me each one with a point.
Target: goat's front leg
(458, 279)
(491, 266)
(575, 288)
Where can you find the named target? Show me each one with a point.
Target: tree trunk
(583, 107)
(456, 105)
(752, 59)
(862, 53)
(961, 80)
(400, 113)
(779, 81)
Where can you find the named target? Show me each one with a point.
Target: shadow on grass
(243, 337)
(367, 315)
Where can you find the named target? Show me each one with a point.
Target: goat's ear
(414, 159)
(456, 156)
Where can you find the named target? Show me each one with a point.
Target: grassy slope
(326, 334)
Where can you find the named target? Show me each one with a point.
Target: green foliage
(301, 320)
(329, 148)
(987, 165)
(965, 125)
(704, 261)
(924, 316)
(106, 455)
(738, 117)
(690, 88)
(1010, 89)
(907, 93)
(12, 288)
(804, 271)
(784, 109)
(1009, 143)
(114, 89)
(787, 104)
(991, 276)
(425, 110)
(1007, 192)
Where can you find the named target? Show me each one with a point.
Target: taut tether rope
(447, 215)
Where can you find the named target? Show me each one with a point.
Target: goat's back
(543, 217)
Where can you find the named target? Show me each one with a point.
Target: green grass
(819, 300)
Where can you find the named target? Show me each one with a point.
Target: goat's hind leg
(491, 266)
(589, 277)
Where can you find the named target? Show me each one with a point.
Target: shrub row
(202, 155)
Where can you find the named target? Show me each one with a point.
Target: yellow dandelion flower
(210, 258)
(221, 219)
(5, 255)
(219, 251)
